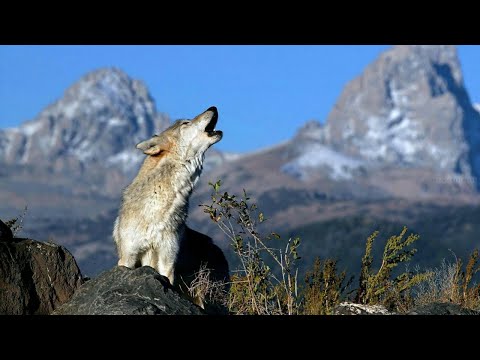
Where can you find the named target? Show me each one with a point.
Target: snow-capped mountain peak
(409, 108)
(99, 119)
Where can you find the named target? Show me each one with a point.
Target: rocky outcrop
(35, 277)
(442, 309)
(5, 232)
(123, 291)
(347, 308)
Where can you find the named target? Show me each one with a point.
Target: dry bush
(450, 283)
(255, 288)
(206, 292)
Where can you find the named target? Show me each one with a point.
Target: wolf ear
(153, 146)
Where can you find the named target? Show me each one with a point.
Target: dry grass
(205, 291)
(450, 283)
(440, 287)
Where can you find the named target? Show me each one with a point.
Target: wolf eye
(185, 123)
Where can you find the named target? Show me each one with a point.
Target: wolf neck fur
(171, 182)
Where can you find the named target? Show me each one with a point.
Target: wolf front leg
(129, 261)
(166, 257)
(167, 269)
(128, 257)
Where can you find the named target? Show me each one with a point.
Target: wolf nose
(213, 108)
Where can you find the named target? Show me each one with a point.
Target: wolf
(150, 229)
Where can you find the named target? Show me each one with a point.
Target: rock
(442, 309)
(5, 232)
(35, 277)
(124, 291)
(347, 308)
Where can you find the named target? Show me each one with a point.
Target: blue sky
(263, 93)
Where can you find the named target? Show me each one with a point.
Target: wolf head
(185, 139)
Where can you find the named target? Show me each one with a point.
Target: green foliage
(255, 288)
(324, 287)
(378, 287)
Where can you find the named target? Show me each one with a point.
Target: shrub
(255, 288)
(324, 288)
(378, 287)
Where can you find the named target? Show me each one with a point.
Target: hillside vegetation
(266, 277)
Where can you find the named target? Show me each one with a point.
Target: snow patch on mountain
(30, 128)
(314, 156)
(127, 160)
(230, 156)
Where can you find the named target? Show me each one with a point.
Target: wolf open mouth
(210, 128)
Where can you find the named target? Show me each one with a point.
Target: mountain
(400, 147)
(87, 126)
(409, 109)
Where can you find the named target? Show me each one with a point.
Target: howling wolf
(150, 228)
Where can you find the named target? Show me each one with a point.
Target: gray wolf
(150, 229)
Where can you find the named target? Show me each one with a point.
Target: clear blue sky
(263, 93)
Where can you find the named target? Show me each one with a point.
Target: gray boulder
(35, 277)
(124, 291)
(442, 309)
